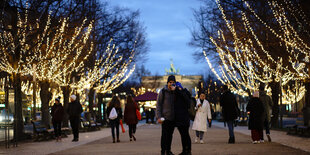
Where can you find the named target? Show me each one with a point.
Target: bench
(89, 125)
(298, 128)
(41, 131)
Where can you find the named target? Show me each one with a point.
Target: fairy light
(242, 67)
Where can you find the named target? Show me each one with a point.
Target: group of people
(259, 109)
(172, 111)
(74, 111)
(130, 117)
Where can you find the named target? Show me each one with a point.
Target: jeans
(267, 127)
(200, 134)
(132, 129)
(230, 125)
(114, 125)
(167, 129)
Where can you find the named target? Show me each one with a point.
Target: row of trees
(69, 46)
(257, 42)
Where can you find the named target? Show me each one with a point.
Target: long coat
(256, 109)
(130, 116)
(57, 113)
(74, 109)
(229, 106)
(203, 112)
(181, 106)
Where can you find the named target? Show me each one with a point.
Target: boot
(118, 140)
(269, 138)
(113, 140)
(231, 140)
(134, 138)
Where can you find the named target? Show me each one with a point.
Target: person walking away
(57, 113)
(74, 111)
(230, 111)
(255, 109)
(152, 113)
(267, 102)
(203, 114)
(182, 120)
(130, 117)
(165, 114)
(114, 123)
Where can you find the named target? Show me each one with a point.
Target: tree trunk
(275, 89)
(101, 111)
(34, 100)
(45, 96)
(18, 112)
(66, 93)
(306, 109)
(91, 101)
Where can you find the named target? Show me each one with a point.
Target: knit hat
(171, 78)
(73, 97)
(178, 84)
(58, 99)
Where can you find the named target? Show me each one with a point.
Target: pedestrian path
(148, 142)
(48, 147)
(280, 137)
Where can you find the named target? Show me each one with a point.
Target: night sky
(168, 24)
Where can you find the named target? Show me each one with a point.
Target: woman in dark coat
(130, 117)
(114, 123)
(57, 117)
(256, 121)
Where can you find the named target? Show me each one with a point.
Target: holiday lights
(245, 68)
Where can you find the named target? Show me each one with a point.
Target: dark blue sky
(167, 25)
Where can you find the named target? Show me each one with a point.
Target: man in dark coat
(165, 114)
(74, 111)
(229, 111)
(267, 102)
(181, 106)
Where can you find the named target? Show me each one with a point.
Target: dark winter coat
(256, 109)
(74, 109)
(229, 106)
(57, 113)
(165, 104)
(118, 111)
(130, 116)
(181, 106)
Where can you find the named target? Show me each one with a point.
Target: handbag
(138, 114)
(122, 126)
(113, 114)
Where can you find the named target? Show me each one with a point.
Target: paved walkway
(148, 142)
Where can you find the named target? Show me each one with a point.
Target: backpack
(113, 114)
(191, 109)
